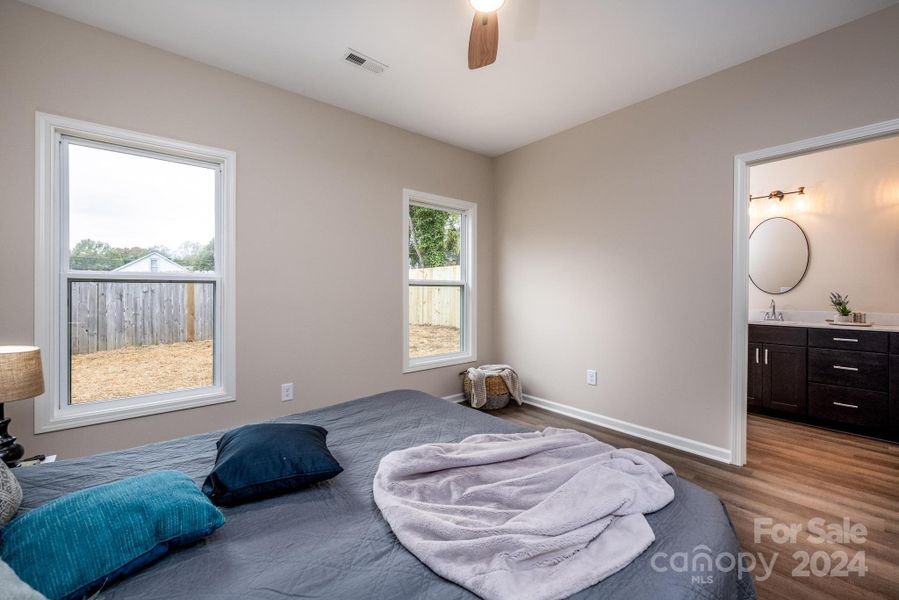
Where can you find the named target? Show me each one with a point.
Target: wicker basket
(497, 393)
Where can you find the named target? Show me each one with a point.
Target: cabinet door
(785, 378)
(755, 384)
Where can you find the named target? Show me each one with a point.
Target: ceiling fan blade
(484, 40)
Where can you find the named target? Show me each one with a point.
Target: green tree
(91, 255)
(187, 251)
(205, 258)
(434, 239)
(195, 256)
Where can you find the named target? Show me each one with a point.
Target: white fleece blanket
(534, 516)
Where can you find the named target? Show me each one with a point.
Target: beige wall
(614, 238)
(306, 173)
(850, 214)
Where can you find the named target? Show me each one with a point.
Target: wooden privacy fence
(106, 315)
(432, 305)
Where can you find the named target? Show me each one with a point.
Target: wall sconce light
(779, 194)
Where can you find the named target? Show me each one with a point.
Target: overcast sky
(126, 200)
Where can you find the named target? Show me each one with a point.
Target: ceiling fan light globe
(486, 6)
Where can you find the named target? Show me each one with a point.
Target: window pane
(132, 339)
(127, 210)
(435, 317)
(435, 244)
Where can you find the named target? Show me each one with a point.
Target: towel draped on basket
(478, 377)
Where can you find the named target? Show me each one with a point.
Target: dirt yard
(428, 340)
(140, 370)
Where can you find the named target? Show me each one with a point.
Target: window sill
(436, 362)
(107, 412)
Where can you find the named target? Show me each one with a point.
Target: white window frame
(52, 412)
(469, 328)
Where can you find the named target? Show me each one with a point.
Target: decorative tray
(832, 322)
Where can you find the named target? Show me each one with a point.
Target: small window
(439, 296)
(138, 274)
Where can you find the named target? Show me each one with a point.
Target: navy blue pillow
(267, 459)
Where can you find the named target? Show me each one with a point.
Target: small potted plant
(841, 304)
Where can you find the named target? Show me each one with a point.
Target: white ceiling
(561, 62)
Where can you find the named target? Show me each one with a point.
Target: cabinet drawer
(849, 339)
(894, 343)
(845, 405)
(865, 370)
(775, 334)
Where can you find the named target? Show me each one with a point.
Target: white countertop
(826, 325)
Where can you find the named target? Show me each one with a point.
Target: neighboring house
(154, 262)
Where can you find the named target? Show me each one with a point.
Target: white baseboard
(457, 398)
(653, 435)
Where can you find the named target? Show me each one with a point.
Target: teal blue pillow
(76, 544)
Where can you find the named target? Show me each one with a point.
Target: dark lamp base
(10, 451)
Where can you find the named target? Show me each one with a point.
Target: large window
(438, 268)
(135, 297)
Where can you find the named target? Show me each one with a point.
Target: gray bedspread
(330, 541)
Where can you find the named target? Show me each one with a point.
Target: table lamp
(21, 377)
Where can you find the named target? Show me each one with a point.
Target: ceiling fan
(484, 39)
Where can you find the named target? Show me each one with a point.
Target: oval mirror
(778, 255)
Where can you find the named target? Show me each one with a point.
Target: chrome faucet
(773, 315)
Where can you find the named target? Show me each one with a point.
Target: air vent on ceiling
(364, 62)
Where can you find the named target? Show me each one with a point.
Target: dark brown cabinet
(777, 372)
(755, 388)
(861, 408)
(849, 339)
(847, 379)
(864, 370)
(785, 378)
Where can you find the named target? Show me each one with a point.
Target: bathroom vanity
(839, 377)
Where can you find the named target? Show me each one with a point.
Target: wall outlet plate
(286, 392)
(591, 376)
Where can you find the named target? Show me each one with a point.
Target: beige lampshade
(21, 375)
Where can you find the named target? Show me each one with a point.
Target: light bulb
(486, 6)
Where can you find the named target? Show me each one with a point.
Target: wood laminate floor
(794, 473)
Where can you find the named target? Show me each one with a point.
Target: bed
(329, 541)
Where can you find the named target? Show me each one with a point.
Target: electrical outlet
(286, 392)
(591, 377)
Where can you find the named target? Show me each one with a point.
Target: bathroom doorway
(823, 218)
